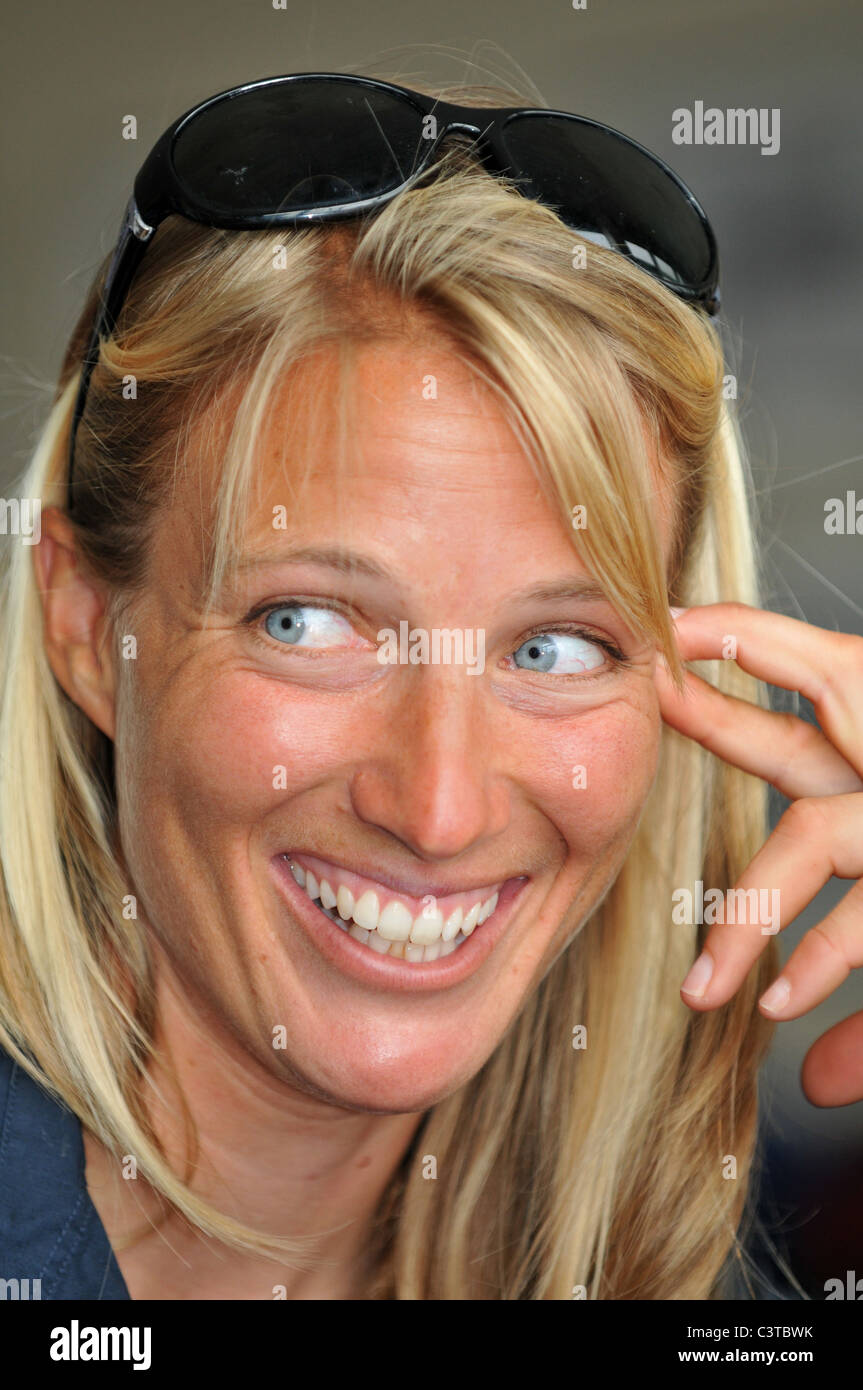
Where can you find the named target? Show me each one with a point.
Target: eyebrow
(352, 562)
(347, 561)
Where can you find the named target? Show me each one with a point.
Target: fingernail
(676, 612)
(776, 997)
(699, 976)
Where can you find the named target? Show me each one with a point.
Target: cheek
(593, 775)
(226, 749)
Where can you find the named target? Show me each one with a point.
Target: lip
(389, 972)
(408, 888)
(413, 899)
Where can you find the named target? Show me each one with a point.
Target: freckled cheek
(238, 749)
(595, 776)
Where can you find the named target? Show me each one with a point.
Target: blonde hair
(598, 1169)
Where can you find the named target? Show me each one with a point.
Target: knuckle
(830, 945)
(808, 817)
(738, 609)
(796, 740)
(796, 734)
(847, 667)
(852, 645)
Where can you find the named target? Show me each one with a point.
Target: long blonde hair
(603, 1170)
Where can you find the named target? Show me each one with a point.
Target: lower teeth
(445, 947)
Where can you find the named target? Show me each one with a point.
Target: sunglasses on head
(315, 147)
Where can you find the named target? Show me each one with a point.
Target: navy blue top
(49, 1227)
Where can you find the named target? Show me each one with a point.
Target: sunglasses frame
(159, 192)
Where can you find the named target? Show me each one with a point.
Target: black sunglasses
(313, 147)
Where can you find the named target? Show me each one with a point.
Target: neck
(269, 1155)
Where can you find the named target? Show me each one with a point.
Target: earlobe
(76, 631)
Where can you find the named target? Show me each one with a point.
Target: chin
(397, 1086)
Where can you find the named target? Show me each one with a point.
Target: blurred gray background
(789, 232)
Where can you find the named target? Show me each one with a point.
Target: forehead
(403, 431)
(415, 406)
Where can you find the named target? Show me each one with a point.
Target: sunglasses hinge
(135, 222)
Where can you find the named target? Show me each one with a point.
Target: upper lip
(407, 885)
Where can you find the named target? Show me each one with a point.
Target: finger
(821, 962)
(832, 1071)
(792, 755)
(825, 667)
(815, 839)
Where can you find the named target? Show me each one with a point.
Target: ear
(76, 632)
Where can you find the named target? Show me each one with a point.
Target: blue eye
(563, 654)
(296, 624)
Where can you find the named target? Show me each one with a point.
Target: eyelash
(618, 658)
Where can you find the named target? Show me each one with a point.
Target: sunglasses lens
(614, 194)
(283, 146)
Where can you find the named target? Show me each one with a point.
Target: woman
(353, 786)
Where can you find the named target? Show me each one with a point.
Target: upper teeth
(387, 924)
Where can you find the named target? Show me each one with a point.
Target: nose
(432, 777)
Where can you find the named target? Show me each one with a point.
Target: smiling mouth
(390, 923)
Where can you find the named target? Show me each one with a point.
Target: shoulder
(50, 1233)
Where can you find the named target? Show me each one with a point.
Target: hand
(819, 835)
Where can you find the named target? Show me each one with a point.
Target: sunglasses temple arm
(131, 245)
